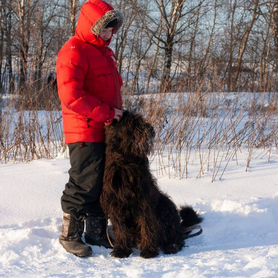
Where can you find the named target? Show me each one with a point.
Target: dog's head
(132, 135)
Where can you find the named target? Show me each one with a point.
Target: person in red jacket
(89, 87)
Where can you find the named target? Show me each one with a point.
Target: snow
(240, 231)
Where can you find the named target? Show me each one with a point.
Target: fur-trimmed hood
(94, 16)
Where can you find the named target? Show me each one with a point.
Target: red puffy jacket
(89, 84)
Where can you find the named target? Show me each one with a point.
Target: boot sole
(81, 254)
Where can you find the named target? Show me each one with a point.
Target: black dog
(141, 215)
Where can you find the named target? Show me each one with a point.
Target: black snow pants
(82, 192)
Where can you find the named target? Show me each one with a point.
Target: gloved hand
(117, 116)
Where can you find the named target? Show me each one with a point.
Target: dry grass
(209, 130)
(31, 126)
(205, 129)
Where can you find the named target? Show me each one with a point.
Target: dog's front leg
(121, 248)
(148, 237)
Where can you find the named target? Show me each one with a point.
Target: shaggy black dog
(141, 215)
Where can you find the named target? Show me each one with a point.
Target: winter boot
(70, 238)
(95, 231)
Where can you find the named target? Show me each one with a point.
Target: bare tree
(73, 14)
(9, 45)
(2, 18)
(174, 22)
(24, 11)
(232, 39)
(42, 37)
(122, 37)
(163, 44)
(275, 36)
(245, 39)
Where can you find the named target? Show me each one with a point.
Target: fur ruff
(108, 17)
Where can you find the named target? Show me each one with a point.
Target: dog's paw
(171, 248)
(148, 253)
(121, 253)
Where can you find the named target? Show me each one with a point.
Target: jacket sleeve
(71, 72)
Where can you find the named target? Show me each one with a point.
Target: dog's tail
(190, 220)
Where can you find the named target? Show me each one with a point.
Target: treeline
(164, 45)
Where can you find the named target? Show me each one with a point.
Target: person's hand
(118, 114)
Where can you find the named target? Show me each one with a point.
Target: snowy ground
(239, 240)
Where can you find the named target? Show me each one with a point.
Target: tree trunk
(8, 52)
(231, 49)
(73, 13)
(24, 37)
(275, 27)
(1, 55)
(244, 43)
(166, 74)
